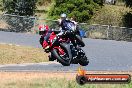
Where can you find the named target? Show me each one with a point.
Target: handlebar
(69, 32)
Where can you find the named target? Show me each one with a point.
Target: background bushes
(20, 7)
(81, 10)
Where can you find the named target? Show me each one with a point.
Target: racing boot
(51, 58)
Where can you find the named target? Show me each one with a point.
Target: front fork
(78, 53)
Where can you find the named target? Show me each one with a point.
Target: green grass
(49, 80)
(56, 83)
(1, 7)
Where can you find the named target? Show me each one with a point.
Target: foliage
(100, 2)
(110, 15)
(0, 3)
(127, 20)
(20, 7)
(128, 3)
(43, 2)
(128, 17)
(81, 10)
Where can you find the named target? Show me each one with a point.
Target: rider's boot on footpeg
(51, 58)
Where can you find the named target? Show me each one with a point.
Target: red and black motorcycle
(60, 51)
(66, 49)
(78, 55)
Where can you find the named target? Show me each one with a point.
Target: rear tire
(60, 59)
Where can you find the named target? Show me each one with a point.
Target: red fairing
(51, 39)
(52, 36)
(45, 44)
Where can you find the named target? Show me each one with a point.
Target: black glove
(41, 40)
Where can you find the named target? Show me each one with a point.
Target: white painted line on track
(27, 64)
(10, 44)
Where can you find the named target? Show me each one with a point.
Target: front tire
(84, 61)
(64, 61)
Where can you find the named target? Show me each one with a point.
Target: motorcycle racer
(60, 46)
(66, 26)
(45, 32)
(63, 23)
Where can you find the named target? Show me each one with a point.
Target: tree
(128, 16)
(100, 2)
(20, 7)
(81, 10)
(128, 3)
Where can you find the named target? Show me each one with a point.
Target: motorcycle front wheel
(84, 61)
(63, 59)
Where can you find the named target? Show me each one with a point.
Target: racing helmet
(63, 16)
(43, 29)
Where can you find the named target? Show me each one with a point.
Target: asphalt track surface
(107, 55)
